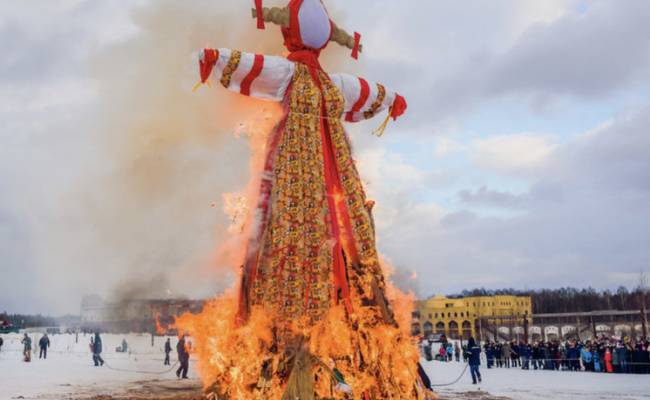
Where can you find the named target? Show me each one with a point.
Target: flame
(235, 205)
(232, 358)
(160, 330)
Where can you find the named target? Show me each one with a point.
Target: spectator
(96, 346)
(536, 356)
(168, 349)
(596, 357)
(474, 356)
(514, 354)
(442, 352)
(489, 354)
(608, 361)
(43, 344)
(450, 351)
(526, 354)
(27, 348)
(1, 343)
(183, 358)
(506, 353)
(457, 351)
(498, 355)
(587, 362)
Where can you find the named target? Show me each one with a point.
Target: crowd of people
(605, 354)
(601, 355)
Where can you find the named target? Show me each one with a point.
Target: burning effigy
(312, 316)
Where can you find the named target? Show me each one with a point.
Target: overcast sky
(522, 160)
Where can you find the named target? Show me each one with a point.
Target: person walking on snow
(96, 346)
(43, 344)
(27, 348)
(474, 356)
(168, 349)
(183, 358)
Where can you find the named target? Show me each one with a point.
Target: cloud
(588, 54)
(446, 146)
(451, 59)
(584, 221)
(512, 154)
(484, 196)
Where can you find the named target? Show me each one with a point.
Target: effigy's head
(306, 26)
(310, 27)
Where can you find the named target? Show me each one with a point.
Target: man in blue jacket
(474, 356)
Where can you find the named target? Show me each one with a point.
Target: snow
(518, 384)
(68, 373)
(69, 367)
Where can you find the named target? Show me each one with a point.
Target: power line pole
(643, 282)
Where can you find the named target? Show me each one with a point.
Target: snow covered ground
(68, 373)
(517, 384)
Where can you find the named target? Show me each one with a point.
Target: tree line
(38, 320)
(570, 299)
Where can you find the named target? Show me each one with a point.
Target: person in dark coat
(474, 357)
(43, 344)
(97, 350)
(27, 348)
(573, 356)
(526, 354)
(168, 349)
(1, 343)
(489, 354)
(183, 358)
(515, 354)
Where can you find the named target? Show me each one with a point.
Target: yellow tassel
(380, 131)
(198, 85)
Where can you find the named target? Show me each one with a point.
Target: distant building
(469, 316)
(135, 315)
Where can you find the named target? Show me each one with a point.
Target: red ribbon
(260, 14)
(258, 65)
(398, 108)
(207, 63)
(355, 49)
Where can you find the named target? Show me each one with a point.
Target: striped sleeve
(255, 75)
(363, 99)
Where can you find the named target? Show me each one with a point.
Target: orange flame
(232, 358)
(160, 330)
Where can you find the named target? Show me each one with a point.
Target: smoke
(136, 287)
(172, 153)
(129, 202)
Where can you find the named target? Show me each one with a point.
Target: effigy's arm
(256, 75)
(364, 100)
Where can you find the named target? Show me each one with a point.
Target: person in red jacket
(608, 361)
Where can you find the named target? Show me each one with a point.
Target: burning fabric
(311, 318)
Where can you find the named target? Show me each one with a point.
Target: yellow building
(467, 316)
